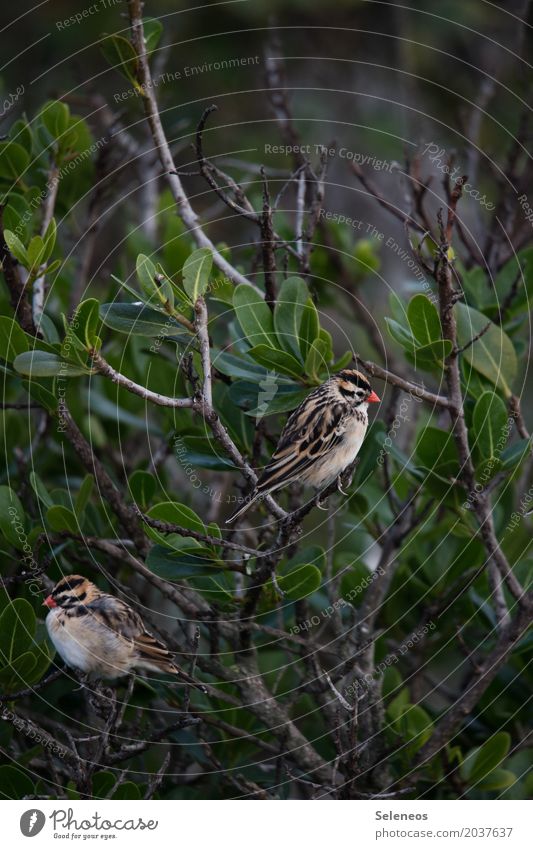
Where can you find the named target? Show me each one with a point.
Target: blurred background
(376, 82)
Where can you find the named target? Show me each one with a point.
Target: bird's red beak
(373, 398)
(49, 602)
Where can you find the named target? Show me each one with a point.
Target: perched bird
(101, 635)
(321, 438)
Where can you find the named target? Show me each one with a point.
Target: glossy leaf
(489, 426)
(17, 630)
(12, 517)
(290, 303)
(141, 320)
(13, 160)
(254, 316)
(492, 354)
(277, 360)
(489, 756)
(301, 581)
(43, 364)
(423, 320)
(121, 54)
(13, 340)
(196, 273)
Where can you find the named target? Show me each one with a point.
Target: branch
(268, 242)
(104, 368)
(486, 672)
(390, 207)
(200, 310)
(17, 290)
(481, 503)
(171, 528)
(243, 208)
(185, 210)
(39, 287)
(198, 405)
(406, 385)
(125, 514)
(29, 691)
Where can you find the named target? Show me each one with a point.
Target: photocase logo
(268, 391)
(32, 822)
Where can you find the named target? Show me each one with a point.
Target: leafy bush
(376, 649)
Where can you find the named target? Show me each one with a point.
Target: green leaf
(493, 354)
(35, 253)
(435, 352)
(13, 161)
(278, 360)
(181, 563)
(414, 726)
(43, 364)
(309, 327)
(121, 54)
(291, 301)
(498, 779)
(140, 320)
(254, 316)
(17, 629)
(199, 452)
(285, 400)
(315, 362)
(436, 450)
(400, 335)
(196, 272)
(49, 239)
(238, 367)
(85, 323)
(515, 454)
(424, 320)
(12, 517)
(18, 673)
(17, 216)
(62, 519)
(146, 272)
(152, 34)
(127, 790)
(84, 493)
(16, 247)
(177, 514)
(300, 581)
(489, 425)
(484, 760)
(40, 490)
(55, 116)
(15, 784)
(21, 132)
(41, 395)
(142, 487)
(13, 340)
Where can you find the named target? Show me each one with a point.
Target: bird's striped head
(355, 387)
(70, 591)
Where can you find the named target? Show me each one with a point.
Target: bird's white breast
(68, 644)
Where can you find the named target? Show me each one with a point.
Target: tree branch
(185, 210)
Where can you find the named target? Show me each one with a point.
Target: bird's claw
(318, 503)
(340, 489)
(276, 586)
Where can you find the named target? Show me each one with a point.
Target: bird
(320, 439)
(102, 636)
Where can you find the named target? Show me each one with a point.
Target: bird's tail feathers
(188, 679)
(246, 506)
(155, 656)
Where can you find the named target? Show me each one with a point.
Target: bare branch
(185, 210)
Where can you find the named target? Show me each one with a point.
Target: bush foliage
(378, 647)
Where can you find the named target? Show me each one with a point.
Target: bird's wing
(312, 431)
(126, 623)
